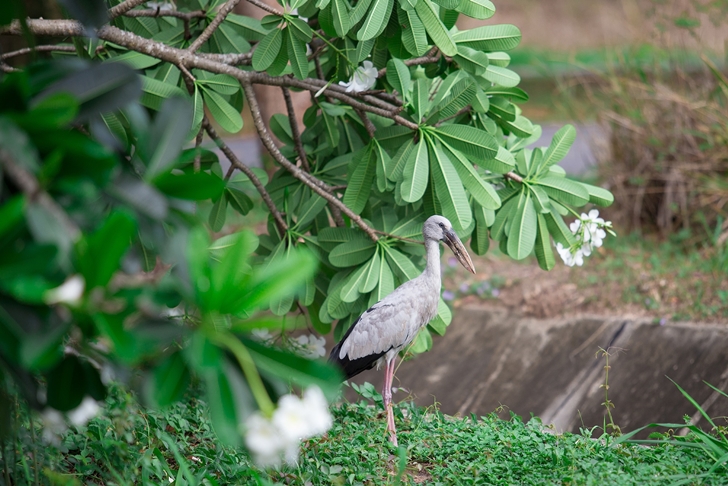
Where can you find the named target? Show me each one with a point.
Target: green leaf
(196, 186)
(414, 35)
(474, 62)
(421, 98)
(402, 266)
(543, 250)
(597, 195)
(423, 340)
(221, 400)
(350, 290)
(169, 381)
(501, 76)
(218, 212)
(395, 170)
(489, 37)
(398, 75)
(340, 13)
(460, 96)
(300, 29)
(508, 208)
(154, 92)
(560, 144)
(479, 241)
(302, 372)
(239, 201)
(309, 211)
(352, 252)
(377, 19)
(428, 13)
(564, 190)
(471, 141)
(371, 274)
(66, 384)
(267, 50)
(442, 319)
(483, 192)
(359, 11)
(251, 29)
(168, 132)
(223, 113)
(516, 93)
(501, 59)
(477, 9)
(558, 229)
(415, 173)
(448, 188)
(222, 83)
(394, 136)
(100, 253)
(297, 55)
(361, 178)
(503, 108)
(522, 232)
(385, 280)
(11, 213)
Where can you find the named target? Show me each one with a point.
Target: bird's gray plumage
(391, 324)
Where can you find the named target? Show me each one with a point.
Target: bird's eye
(441, 225)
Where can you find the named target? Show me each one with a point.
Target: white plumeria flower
(319, 417)
(278, 439)
(87, 410)
(291, 418)
(263, 335)
(311, 346)
(364, 78)
(69, 292)
(590, 231)
(54, 426)
(263, 440)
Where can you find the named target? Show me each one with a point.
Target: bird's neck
(433, 259)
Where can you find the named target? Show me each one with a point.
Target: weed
(607, 403)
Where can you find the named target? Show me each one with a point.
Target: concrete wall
(550, 368)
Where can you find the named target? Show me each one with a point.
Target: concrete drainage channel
(552, 369)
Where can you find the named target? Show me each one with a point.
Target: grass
(130, 445)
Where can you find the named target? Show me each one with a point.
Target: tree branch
(317, 186)
(196, 14)
(278, 218)
(210, 29)
(426, 59)
(123, 8)
(265, 7)
(513, 176)
(367, 122)
(28, 184)
(294, 129)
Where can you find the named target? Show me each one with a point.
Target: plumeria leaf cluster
(112, 209)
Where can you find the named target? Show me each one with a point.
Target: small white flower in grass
(70, 292)
(263, 440)
(291, 418)
(364, 78)
(319, 417)
(262, 335)
(87, 410)
(53, 426)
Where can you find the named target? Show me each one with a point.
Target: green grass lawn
(128, 445)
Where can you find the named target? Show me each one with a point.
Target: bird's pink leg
(387, 395)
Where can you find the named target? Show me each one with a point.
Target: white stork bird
(391, 324)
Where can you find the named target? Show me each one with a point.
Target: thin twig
(401, 238)
(367, 122)
(28, 50)
(265, 7)
(295, 130)
(28, 184)
(460, 112)
(280, 223)
(123, 8)
(317, 186)
(427, 59)
(158, 12)
(196, 163)
(222, 13)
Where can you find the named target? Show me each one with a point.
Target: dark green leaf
(100, 253)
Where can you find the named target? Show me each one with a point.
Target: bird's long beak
(457, 247)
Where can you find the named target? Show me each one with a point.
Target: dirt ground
(609, 284)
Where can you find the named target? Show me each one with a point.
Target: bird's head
(438, 228)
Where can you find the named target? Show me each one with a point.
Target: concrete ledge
(549, 368)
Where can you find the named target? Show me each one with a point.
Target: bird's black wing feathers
(352, 368)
